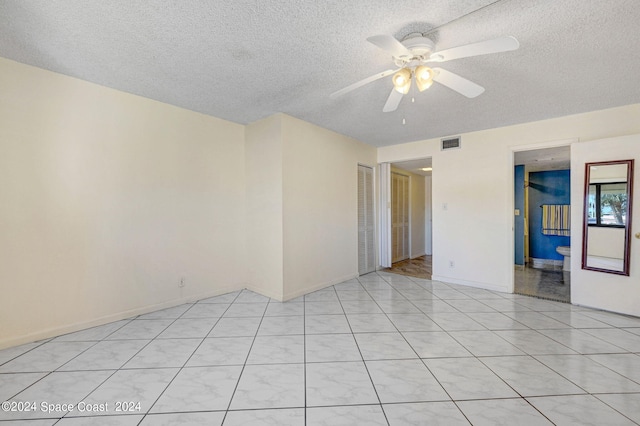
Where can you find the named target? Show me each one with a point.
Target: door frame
(511, 196)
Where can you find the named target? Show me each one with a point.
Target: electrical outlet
(181, 282)
(451, 264)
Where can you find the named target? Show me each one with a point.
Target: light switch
(517, 212)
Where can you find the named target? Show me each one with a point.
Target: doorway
(400, 226)
(410, 218)
(541, 192)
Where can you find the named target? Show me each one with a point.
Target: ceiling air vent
(450, 143)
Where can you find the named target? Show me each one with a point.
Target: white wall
(320, 205)
(106, 201)
(476, 184)
(597, 289)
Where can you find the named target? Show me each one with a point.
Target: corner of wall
(264, 222)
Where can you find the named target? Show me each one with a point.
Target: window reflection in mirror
(607, 229)
(607, 204)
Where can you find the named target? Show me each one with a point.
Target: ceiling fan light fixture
(402, 81)
(424, 77)
(411, 55)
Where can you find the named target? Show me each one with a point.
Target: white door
(384, 230)
(399, 217)
(366, 221)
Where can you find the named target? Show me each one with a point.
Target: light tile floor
(383, 349)
(552, 284)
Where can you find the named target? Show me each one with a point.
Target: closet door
(384, 233)
(399, 217)
(366, 221)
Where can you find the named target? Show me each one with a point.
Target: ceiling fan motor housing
(421, 47)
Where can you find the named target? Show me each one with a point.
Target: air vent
(451, 143)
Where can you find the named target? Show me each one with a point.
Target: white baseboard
(418, 255)
(485, 286)
(319, 286)
(70, 328)
(256, 289)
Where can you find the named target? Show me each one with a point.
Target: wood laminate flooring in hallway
(420, 267)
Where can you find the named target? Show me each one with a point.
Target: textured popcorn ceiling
(244, 60)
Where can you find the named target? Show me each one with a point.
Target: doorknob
(638, 235)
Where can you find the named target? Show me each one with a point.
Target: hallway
(420, 267)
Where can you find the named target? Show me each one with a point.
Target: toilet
(566, 252)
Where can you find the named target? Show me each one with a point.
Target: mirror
(606, 234)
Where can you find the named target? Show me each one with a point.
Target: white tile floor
(383, 349)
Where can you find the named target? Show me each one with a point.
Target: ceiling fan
(411, 56)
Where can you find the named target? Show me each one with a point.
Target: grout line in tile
(233, 394)
(186, 361)
(531, 307)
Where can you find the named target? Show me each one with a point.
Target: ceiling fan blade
(497, 45)
(457, 83)
(392, 101)
(390, 44)
(361, 83)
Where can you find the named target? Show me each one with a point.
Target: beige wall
(606, 242)
(476, 185)
(263, 165)
(106, 201)
(301, 206)
(320, 202)
(109, 200)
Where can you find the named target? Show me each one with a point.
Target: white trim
(428, 215)
(543, 145)
(320, 286)
(449, 280)
(78, 326)
(262, 291)
(409, 204)
(511, 195)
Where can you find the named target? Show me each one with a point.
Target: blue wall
(552, 187)
(519, 220)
